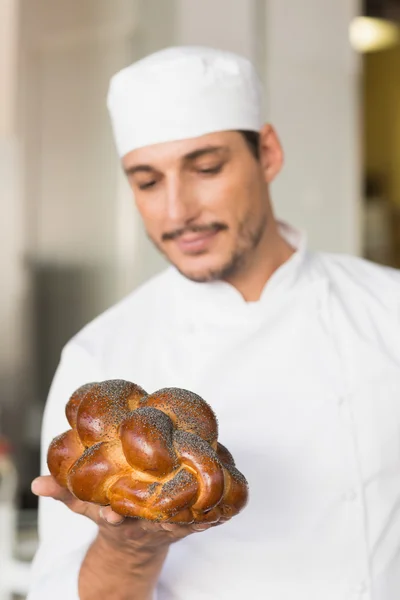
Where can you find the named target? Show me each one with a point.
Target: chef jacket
(305, 384)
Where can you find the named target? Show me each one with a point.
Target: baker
(298, 353)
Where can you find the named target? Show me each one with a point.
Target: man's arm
(125, 559)
(119, 574)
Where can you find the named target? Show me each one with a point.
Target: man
(297, 352)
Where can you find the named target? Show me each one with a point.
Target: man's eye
(211, 170)
(147, 185)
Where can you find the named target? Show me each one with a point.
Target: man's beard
(249, 237)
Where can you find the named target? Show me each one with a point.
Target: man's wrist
(137, 554)
(119, 572)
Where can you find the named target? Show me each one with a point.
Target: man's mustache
(173, 235)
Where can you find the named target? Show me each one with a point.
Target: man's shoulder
(357, 278)
(130, 313)
(359, 270)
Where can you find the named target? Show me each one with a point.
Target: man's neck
(272, 252)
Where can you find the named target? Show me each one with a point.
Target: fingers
(48, 487)
(180, 530)
(171, 527)
(110, 517)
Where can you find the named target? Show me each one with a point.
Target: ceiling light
(371, 35)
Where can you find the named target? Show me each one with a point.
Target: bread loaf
(154, 457)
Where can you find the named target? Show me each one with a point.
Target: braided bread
(154, 456)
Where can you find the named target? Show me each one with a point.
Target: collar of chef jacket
(220, 304)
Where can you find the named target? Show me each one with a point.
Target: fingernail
(121, 520)
(110, 520)
(200, 527)
(35, 487)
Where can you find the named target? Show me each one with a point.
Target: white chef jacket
(306, 387)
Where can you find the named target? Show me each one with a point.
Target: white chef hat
(182, 93)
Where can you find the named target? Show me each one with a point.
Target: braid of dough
(154, 457)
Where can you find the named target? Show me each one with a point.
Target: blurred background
(71, 241)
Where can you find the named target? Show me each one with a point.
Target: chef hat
(181, 93)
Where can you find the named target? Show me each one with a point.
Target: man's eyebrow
(190, 157)
(204, 152)
(139, 169)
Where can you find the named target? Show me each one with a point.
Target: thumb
(47, 486)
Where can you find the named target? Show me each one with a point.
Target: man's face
(203, 202)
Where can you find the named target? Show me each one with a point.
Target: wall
(312, 80)
(11, 221)
(69, 51)
(8, 64)
(227, 24)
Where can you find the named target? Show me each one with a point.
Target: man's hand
(127, 556)
(128, 533)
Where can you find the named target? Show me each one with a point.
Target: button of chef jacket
(360, 591)
(190, 328)
(350, 495)
(338, 398)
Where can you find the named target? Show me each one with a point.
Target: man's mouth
(196, 239)
(195, 242)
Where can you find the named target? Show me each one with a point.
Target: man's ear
(271, 153)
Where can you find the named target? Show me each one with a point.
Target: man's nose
(181, 202)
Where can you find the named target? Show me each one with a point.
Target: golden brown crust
(146, 436)
(63, 451)
(103, 408)
(224, 455)
(187, 410)
(71, 410)
(154, 457)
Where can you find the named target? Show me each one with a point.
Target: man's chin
(213, 270)
(207, 267)
(200, 274)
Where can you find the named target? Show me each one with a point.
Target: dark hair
(253, 141)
